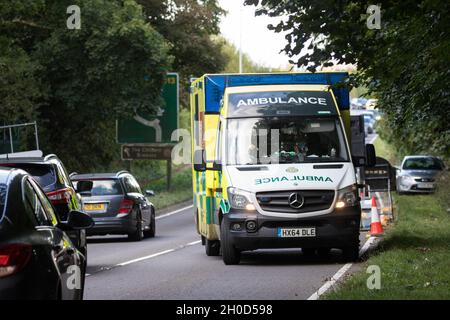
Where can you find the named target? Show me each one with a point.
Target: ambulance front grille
(278, 201)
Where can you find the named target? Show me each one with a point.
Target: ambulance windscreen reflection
(271, 140)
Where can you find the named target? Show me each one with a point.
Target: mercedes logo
(296, 200)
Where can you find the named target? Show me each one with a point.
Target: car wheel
(138, 234)
(150, 233)
(203, 240)
(212, 247)
(230, 254)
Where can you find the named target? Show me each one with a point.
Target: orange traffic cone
(375, 225)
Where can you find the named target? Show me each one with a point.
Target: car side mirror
(370, 155)
(199, 160)
(150, 193)
(77, 220)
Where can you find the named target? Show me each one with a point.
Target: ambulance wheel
(212, 247)
(308, 252)
(351, 253)
(230, 254)
(203, 240)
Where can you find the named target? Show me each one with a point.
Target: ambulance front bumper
(251, 231)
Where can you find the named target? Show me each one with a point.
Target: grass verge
(415, 254)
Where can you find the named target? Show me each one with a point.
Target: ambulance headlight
(240, 199)
(347, 197)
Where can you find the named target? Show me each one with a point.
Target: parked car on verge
(116, 203)
(51, 175)
(37, 258)
(418, 174)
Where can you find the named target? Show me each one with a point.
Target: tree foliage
(405, 63)
(113, 65)
(189, 25)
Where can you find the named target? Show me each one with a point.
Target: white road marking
(329, 284)
(173, 212)
(144, 258)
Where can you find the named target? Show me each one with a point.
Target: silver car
(418, 174)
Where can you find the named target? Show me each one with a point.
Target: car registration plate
(296, 232)
(94, 206)
(425, 186)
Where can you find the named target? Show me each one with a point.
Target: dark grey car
(116, 203)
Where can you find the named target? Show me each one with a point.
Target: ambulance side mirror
(199, 160)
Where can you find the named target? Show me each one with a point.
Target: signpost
(153, 129)
(148, 136)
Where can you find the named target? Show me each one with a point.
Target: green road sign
(153, 129)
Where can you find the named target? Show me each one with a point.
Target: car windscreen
(3, 188)
(285, 140)
(98, 187)
(44, 174)
(422, 164)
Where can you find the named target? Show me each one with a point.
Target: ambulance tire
(212, 247)
(203, 240)
(351, 252)
(230, 254)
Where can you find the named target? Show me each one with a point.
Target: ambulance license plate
(296, 232)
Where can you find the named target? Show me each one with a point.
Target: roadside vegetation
(415, 253)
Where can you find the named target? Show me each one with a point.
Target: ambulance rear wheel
(230, 254)
(212, 247)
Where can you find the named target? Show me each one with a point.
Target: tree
(189, 26)
(115, 64)
(405, 63)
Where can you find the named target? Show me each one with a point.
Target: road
(173, 265)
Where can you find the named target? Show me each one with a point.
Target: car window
(42, 173)
(62, 173)
(422, 164)
(106, 187)
(131, 184)
(3, 190)
(46, 205)
(135, 184)
(32, 203)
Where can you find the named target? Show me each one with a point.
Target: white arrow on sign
(153, 123)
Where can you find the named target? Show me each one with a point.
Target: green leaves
(405, 63)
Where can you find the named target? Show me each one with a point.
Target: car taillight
(59, 196)
(13, 258)
(126, 205)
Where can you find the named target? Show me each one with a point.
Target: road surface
(173, 265)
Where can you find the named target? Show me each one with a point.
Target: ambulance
(272, 164)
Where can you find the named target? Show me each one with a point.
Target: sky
(261, 44)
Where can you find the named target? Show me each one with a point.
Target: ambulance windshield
(271, 140)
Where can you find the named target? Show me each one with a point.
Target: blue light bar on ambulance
(215, 85)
